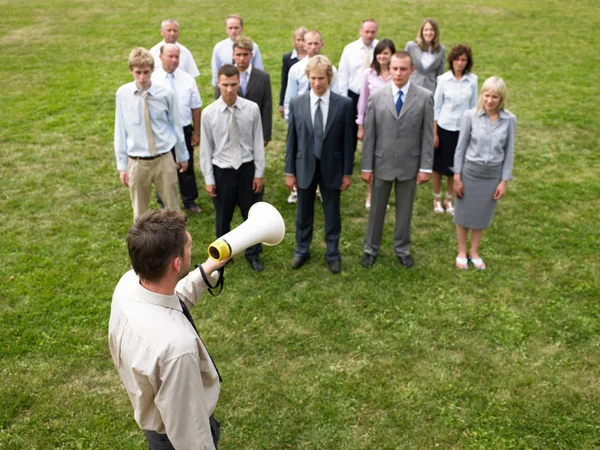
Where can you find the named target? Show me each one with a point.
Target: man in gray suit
(319, 152)
(398, 151)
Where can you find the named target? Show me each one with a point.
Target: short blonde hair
(493, 84)
(320, 62)
(243, 42)
(140, 57)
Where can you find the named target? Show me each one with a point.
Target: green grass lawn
(371, 359)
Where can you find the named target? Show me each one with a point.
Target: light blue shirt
(223, 54)
(130, 130)
(486, 143)
(452, 98)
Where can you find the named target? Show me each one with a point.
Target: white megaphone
(264, 224)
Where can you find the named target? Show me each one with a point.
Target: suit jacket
(396, 147)
(286, 64)
(426, 78)
(259, 92)
(337, 155)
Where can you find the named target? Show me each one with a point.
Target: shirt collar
(294, 54)
(248, 70)
(166, 301)
(223, 106)
(404, 89)
(324, 98)
(502, 114)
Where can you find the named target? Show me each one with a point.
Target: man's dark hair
(229, 70)
(154, 240)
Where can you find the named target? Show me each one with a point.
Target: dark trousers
(305, 217)
(354, 97)
(188, 188)
(234, 187)
(161, 441)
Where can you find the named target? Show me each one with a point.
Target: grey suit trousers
(405, 195)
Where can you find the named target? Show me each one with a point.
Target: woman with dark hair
(428, 55)
(376, 77)
(483, 165)
(456, 92)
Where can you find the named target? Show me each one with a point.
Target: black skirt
(443, 156)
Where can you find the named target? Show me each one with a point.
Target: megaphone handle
(219, 284)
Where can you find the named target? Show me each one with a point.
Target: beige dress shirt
(167, 371)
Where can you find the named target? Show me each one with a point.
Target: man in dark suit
(255, 84)
(397, 151)
(319, 153)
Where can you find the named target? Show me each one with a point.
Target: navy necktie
(318, 131)
(188, 315)
(399, 103)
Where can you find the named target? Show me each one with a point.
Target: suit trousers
(187, 180)
(354, 97)
(234, 187)
(405, 195)
(305, 217)
(158, 441)
(142, 173)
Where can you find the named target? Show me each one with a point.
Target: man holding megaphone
(232, 156)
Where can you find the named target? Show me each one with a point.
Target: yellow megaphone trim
(219, 250)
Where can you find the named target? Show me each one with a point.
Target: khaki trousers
(160, 171)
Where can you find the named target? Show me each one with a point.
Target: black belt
(149, 158)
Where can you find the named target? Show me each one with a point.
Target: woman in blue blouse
(483, 165)
(456, 91)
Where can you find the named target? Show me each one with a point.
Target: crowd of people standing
(415, 122)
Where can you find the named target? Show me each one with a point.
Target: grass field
(372, 359)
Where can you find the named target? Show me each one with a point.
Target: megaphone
(264, 224)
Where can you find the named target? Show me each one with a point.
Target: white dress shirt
(223, 54)
(298, 84)
(186, 90)
(214, 140)
(452, 98)
(186, 60)
(171, 381)
(130, 131)
(352, 66)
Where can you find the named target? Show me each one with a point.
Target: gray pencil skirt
(477, 206)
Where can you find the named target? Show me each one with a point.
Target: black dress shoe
(257, 265)
(299, 261)
(335, 266)
(406, 260)
(367, 260)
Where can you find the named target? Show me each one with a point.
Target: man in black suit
(319, 153)
(255, 84)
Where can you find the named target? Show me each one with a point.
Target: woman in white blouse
(483, 165)
(428, 55)
(456, 91)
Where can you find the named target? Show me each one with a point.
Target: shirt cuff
(426, 170)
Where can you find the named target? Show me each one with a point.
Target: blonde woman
(483, 164)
